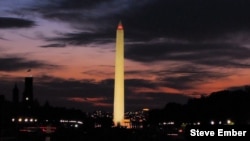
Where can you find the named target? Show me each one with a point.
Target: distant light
(212, 122)
(220, 122)
(76, 125)
(198, 123)
(35, 120)
(80, 122)
(20, 120)
(171, 123)
(26, 120)
(27, 98)
(31, 120)
(13, 119)
(229, 122)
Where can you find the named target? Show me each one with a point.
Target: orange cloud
(102, 104)
(86, 99)
(95, 101)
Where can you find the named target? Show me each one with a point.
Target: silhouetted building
(28, 91)
(15, 96)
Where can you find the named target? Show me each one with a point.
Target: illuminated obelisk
(118, 112)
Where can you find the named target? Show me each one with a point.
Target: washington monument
(118, 117)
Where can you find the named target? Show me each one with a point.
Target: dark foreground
(112, 134)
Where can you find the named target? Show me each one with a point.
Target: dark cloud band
(7, 22)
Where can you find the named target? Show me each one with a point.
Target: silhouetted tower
(28, 91)
(15, 96)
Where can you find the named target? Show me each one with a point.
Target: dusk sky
(174, 49)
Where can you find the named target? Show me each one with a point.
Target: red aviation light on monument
(120, 27)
